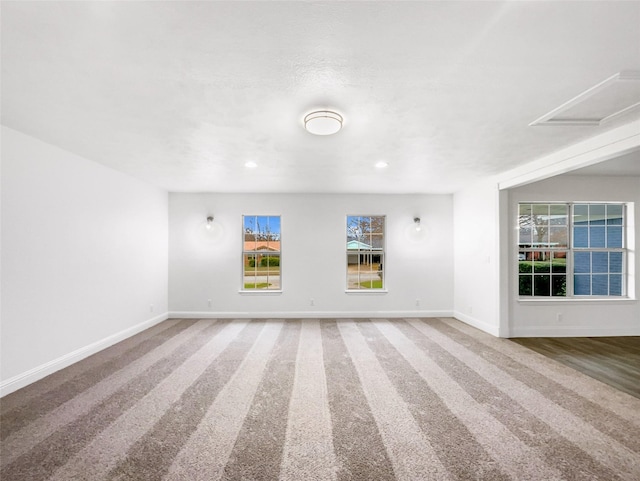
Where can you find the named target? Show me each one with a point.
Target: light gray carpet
(410, 399)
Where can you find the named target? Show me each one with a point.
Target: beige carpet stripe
(257, 453)
(411, 454)
(308, 451)
(110, 446)
(40, 406)
(58, 448)
(512, 455)
(601, 447)
(453, 443)
(151, 456)
(212, 442)
(37, 431)
(354, 427)
(555, 449)
(30, 393)
(598, 393)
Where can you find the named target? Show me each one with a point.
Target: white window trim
(255, 291)
(570, 297)
(382, 251)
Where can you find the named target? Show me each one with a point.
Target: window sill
(265, 292)
(574, 300)
(366, 291)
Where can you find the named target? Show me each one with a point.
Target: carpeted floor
(409, 399)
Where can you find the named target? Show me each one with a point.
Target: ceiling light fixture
(323, 122)
(382, 164)
(209, 222)
(250, 164)
(416, 222)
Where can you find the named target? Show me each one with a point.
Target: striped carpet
(409, 399)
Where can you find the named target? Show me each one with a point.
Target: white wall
(313, 255)
(84, 256)
(586, 317)
(476, 259)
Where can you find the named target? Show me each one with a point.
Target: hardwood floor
(612, 360)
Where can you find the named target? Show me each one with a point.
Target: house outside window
(365, 252)
(261, 253)
(572, 250)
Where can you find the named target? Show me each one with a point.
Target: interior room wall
(84, 258)
(563, 317)
(419, 272)
(476, 259)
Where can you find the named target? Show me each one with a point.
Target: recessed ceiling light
(323, 122)
(382, 164)
(250, 164)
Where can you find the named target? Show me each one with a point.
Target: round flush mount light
(250, 164)
(381, 164)
(323, 122)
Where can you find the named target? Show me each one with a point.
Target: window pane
(525, 235)
(615, 285)
(541, 236)
(580, 214)
(596, 236)
(540, 209)
(558, 214)
(524, 210)
(596, 214)
(614, 214)
(352, 280)
(580, 237)
(357, 232)
(614, 237)
(559, 285)
(541, 285)
(615, 262)
(249, 229)
(525, 266)
(600, 285)
(542, 263)
(377, 241)
(558, 236)
(525, 285)
(582, 284)
(600, 262)
(582, 262)
(559, 262)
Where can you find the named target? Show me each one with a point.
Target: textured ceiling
(182, 94)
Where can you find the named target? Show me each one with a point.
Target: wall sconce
(211, 230)
(415, 231)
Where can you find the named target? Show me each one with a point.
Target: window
(365, 252)
(261, 252)
(571, 250)
(598, 249)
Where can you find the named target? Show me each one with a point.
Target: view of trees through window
(261, 252)
(571, 249)
(365, 252)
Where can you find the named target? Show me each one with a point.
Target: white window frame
(249, 252)
(570, 250)
(381, 251)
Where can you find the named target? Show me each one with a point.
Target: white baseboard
(21, 380)
(305, 314)
(573, 331)
(483, 326)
